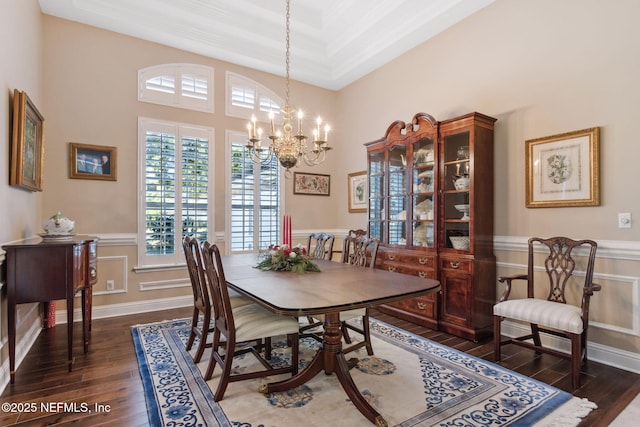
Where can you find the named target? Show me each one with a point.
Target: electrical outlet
(110, 285)
(624, 220)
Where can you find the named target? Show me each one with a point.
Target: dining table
(337, 287)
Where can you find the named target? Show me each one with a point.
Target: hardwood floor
(109, 376)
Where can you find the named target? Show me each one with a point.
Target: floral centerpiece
(285, 258)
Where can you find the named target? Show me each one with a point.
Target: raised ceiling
(333, 42)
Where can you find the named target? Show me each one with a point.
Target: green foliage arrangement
(284, 258)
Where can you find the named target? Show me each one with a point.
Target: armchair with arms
(551, 314)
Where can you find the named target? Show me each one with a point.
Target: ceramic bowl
(59, 225)
(460, 242)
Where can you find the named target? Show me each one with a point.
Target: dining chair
(201, 298)
(242, 324)
(320, 245)
(358, 250)
(551, 313)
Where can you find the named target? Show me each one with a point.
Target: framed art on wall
(27, 144)
(311, 184)
(92, 162)
(357, 183)
(563, 170)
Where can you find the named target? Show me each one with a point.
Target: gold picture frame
(27, 144)
(563, 170)
(357, 189)
(88, 161)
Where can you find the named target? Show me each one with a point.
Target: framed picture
(27, 145)
(311, 183)
(357, 183)
(563, 170)
(92, 162)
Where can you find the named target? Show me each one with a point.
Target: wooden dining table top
(337, 287)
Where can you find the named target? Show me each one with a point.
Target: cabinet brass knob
(423, 261)
(392, 268)
(422, 305)
(422, 274)
(392, 256)
(454, 264)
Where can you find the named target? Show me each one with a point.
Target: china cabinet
(431, 204)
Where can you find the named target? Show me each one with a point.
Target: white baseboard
(123, 309)
(22, 348)
(606, 355)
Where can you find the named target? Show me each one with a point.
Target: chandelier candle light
(288, 147)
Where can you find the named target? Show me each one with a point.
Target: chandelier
(287, 146)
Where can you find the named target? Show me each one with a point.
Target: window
(175, 187)
(188, 86)
(254, 196)
(246, 97)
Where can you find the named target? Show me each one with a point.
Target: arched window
(188, 86)
(246, 97)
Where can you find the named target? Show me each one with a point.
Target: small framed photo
(27, 145)
(311, 184)
(357, 183)
(92, 162)
(563, 170)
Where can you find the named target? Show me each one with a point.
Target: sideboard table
(45, 270)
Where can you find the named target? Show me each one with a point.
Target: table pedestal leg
(330, 359)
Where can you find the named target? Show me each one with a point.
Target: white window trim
(176, 99)
(145, 123)
(260, 90)
(230, 137)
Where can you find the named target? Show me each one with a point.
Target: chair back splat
(320, 245)
(551, 314)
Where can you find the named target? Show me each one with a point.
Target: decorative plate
(56, 237)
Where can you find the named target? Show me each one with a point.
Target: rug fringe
(569, 414)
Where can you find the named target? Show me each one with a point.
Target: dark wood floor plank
(108, 374)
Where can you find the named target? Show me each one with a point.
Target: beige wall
(540, 67)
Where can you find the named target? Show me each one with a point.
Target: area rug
(410, 380)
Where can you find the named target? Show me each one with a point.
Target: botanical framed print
(563, 170)
(27, 144)
(357, 183)
(92, 161)
(311, 183)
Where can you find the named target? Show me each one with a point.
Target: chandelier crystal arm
(288, 147)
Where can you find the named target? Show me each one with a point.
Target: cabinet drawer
(409, 269)
(423, 306)
(462, 265)
(416, 259)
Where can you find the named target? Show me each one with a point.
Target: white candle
(326, 132)
(300, 115)
(271, 116)
(318, 122)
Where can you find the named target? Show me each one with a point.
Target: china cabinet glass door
(397, 195)
(377, 199)
(423, 200)
(456, 184)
